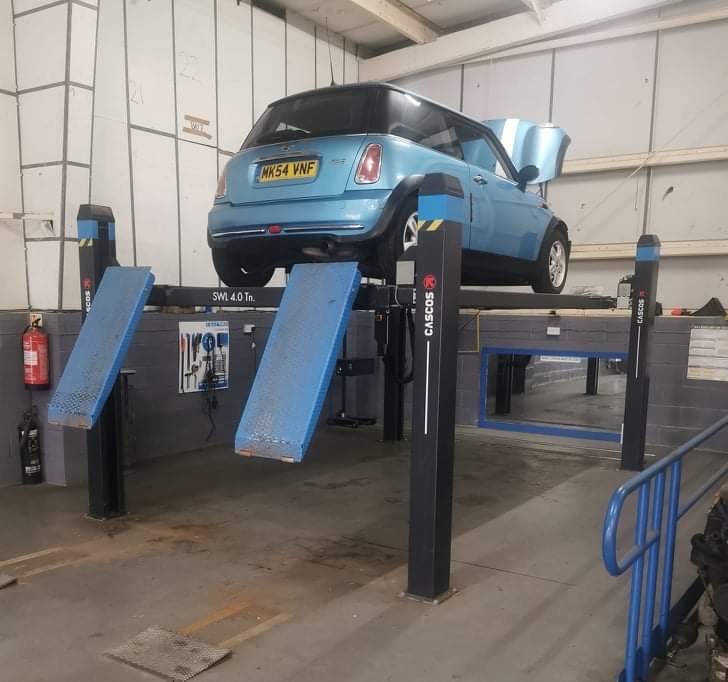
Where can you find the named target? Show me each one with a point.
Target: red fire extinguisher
(30, 458)
(35, 357)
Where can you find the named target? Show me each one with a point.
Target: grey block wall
(578, 333)
(166, 423)
(681, 407)
(163, 422)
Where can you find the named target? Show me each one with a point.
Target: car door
(437, 148)
(480, 166)
(506, 220)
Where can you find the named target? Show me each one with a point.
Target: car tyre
(231, 271)
(402, 233)
(553, 264)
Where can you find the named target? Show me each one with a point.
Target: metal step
(101, 347)
(299, 359)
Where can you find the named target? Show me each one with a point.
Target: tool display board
(203, 352)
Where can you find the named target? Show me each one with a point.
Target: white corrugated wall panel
(600, 208)
(234, 73)
(151, 73)
(40, 47)
(269, 60)
(491, 90)
(329, 58)
(197, 178)
(9, 159)
(155, 204)
(7, 47)
(13, 290)
(195, 63)
(692, 87)
(688, 202)
(442, 85)
(300, 54)
(603, 96)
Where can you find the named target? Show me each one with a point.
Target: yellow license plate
(288, 170)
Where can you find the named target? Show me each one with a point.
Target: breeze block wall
(165, 423)
(681, 407)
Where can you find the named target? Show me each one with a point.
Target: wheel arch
(405, 190)
(558, 225)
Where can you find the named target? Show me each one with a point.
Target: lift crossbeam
(373, 297)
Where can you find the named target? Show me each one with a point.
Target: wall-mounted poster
(708, 354)
(204, 356)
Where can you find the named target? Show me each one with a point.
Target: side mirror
(526, 175)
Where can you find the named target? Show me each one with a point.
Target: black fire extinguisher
(30, 447)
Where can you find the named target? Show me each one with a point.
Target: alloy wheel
(557, 264)
(409, 233)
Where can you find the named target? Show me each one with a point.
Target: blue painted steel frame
(647, 639)
(539, 427)
(101, 347)
(298, 362)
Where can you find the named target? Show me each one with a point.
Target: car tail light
(221, 187)
(370, 165)
(274, 229)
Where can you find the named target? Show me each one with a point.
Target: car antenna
(328, 43)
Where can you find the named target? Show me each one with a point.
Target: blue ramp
(101, 347)
(295, 371)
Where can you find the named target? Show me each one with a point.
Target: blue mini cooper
(333, 174)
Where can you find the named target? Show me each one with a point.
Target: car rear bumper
(349, 218)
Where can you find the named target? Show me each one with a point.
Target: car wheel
(400, 237)
(553, 265)
(231, 271)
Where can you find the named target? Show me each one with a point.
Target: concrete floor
(297, 568)
(566, 404)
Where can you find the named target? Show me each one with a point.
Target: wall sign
(708, 354)
(561, 358)
(204, 356)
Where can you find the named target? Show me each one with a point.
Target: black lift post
(592, 376)
(644, 297)
(441, 213)
(96, 252)
(504, 379)
(394, 360)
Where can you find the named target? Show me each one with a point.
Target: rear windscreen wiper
(281, 135)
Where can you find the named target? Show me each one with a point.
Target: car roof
(377, 85)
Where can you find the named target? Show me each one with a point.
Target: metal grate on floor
(168, 654)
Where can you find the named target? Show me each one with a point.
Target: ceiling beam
(478, 41)
(535, 5)
(401, 18)
(639, 27)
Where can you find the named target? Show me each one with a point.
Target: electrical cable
(409, 376)
(331, 60)
(468, 321)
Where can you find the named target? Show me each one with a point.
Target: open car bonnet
(542, 145)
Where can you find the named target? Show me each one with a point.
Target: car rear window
(339, 112)
(401, 114)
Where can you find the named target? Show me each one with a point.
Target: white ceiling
(357, 25)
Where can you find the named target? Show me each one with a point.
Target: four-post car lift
(313, 311)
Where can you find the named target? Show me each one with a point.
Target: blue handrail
(650, 485)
